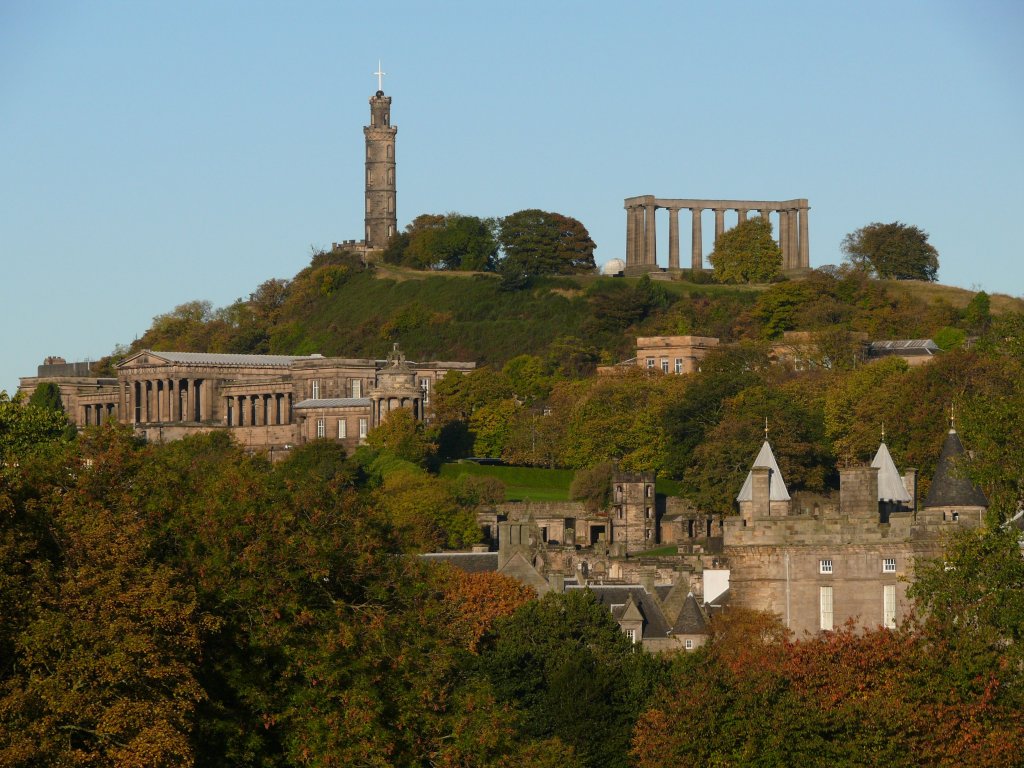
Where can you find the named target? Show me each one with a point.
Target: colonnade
(641, 237)
(268, 409)
(98, 413)
(150, 401)
(382, 406)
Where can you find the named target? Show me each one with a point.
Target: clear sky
(153, 153)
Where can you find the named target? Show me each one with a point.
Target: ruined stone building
(267, 402)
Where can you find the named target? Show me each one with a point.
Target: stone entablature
(641, 243)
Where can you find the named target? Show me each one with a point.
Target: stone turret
(381, 216)
(952, 496)
(764, 492)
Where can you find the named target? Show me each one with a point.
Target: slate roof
(948, 489)
(691, 619)
(904, 347)
(217, 358)
(777, 491)
(332, 402)
(619, 595)
(890, 484)
(470, 562)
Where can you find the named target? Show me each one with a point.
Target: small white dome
(613, 267)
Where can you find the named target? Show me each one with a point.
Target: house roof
(619, 597)
(332, 402)
(691, 619)
(890, 484)
(217, 358)
(949, 488)
(904, 347)
(777, 491)
(470, 562)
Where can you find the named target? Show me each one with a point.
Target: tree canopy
(536, 242)
(893, 251)
(450, 241)
(746, 253)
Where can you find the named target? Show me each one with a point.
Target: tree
(402, 436)
(747, 253)
(450, 241)
(893, 251)
(537, 242)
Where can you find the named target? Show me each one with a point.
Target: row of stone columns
(260, 410)
(151, 401)
(98, 413)
(382, 406)
(641, 238)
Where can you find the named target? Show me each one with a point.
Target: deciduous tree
(536, 242)
(894, 251)
(746, 253)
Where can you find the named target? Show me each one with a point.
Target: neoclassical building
(268, 402)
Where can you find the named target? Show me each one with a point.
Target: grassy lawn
(521, 483)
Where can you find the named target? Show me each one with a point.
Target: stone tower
(381, 218)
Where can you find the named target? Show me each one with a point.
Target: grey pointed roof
(949, 487)
(890, 484)
(618, 597)
(691, 619)
(778, 491)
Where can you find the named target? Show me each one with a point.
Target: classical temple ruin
(641, 237)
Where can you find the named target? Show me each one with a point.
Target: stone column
(805, 254)
(288, 409)
(766, 215)
(719, 223)
(651, 246)
(190, 400)
(630, 225)
(697, 242)
(741, 215)
(150, 405)
(673, 238)
(257, 416)
(794, 257)
(784, 238)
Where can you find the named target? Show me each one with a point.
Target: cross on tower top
(380, 76)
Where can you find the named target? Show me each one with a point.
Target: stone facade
(268, 402)
(381, 214)
(673, 354)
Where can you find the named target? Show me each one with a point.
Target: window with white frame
(316, 389)
(357, 388)
(321, 428)
(689, 644)
(888, 565)
(664, 365)
(650, 363)
(679, 365)
(889, 606)
(342, 429)
(824, 566)
(425, 389)
(825, 607)
(631, 634)
(362, 429)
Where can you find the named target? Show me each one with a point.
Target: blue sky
(156, 153)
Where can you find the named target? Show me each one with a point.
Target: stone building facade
(381, 214)
(268, 402)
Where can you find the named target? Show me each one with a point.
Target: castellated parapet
(381, 212)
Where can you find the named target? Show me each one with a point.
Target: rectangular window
(889, 565)
(362, 429)
(664, 365)
(889, 606)
(689, 645)
(650, 363)
(342, 429)
(825, 600)
(316, 389)
(631, 634)
(679, 365)
(321, 428)
(824, 566)
(357, 388)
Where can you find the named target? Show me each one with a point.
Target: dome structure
(613, 267)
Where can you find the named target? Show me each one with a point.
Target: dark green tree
(747, 253)
(536, 242)
(47, 396)
(892, 251)
(451, 241)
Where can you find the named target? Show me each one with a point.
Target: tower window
(889, 606)
(889, 565)
(825, 606)
(824, 566)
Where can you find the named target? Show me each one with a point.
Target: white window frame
(826, 609)
(321, 427)
(342, 429)
(825, 566)
(679, 365)
(631, 634)
(689, 644)
(363, 428)
(664, 365)
(889, 606)
(357, 388)
(650, 363)
(888, 565)
(316, 389)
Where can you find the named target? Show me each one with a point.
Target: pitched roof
(890, 484)
(618, 597)
(949, 488)
(691, 619)
(217, 358)
(332, 402)
(777, 491)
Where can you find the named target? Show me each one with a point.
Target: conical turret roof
(950, 488)
(890, 484)
(777, 492)
(691, 619)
